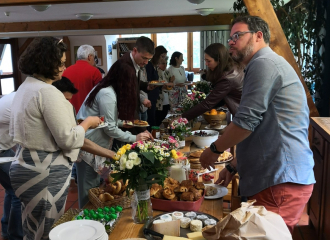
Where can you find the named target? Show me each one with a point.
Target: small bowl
(205, 141)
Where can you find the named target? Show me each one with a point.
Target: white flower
(122, 166)
(129, 164)
(167, 154)
(160, 158)
(132, 156)
(137, 161)
(123, 159)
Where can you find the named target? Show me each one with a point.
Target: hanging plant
(303, 23)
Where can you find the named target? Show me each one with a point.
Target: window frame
(14, 56)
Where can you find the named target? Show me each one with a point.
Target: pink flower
(165, 145)
(134, 145)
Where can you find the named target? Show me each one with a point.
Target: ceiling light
(204, 11)
(196, 1)
(84, 16)
(40, 8)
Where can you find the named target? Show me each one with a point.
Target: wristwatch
(231, 169)
(214, 149)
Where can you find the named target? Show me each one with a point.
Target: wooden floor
(301, 232)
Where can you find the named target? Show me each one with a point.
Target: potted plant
(180, 130)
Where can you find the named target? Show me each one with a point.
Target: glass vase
(141, 205)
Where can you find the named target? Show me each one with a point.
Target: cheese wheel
(196, 236)
(158, 221)
(177, 215)
(196, 225)
(209, 222)
(166, 218)
(191, 215)
(185, 222)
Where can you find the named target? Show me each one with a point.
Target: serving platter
(183, 231)
(228, 160)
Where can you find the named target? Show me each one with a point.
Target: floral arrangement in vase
(142, 164)
(180, 129)
(192, 100)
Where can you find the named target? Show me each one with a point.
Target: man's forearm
(232, 135)
(95, 149)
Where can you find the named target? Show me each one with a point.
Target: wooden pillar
(66, 40)
(278, 41)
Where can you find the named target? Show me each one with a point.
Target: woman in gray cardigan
(43, 124)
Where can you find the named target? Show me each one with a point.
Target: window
(9, 81)
(196, 50)
(174, 42)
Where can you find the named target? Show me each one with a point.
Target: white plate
(78, 230)
(217, 128)
(102, 125)
(157, 84)
(222, 191)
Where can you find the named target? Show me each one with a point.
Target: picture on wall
(98, 53)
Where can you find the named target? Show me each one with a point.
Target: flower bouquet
(180, 129)
(203, 86)
(142, 164)
(192, 100)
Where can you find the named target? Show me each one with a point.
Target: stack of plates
(79, 230)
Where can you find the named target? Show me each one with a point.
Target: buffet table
(126, 228)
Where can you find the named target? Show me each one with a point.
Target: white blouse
(179, 74)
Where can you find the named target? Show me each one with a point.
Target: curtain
(209, 37)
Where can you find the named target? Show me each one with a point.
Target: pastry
(183, 189)
(185, 222)
(209, 222)
(177, 215)
(191, 215)
(196, 226)
(187, 196)
(171, 183)
(210, 191)
(194, 160)
(140, 123)
(196, 154)
(168, 193)
(155, 188)
(199, 185)
(187, 183)
(224, 156)
(159, 194)
(197, 194)
(195, 166)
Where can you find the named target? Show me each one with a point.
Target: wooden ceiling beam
(119, 23)
(5, 3)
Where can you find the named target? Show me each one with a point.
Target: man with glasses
(270, 128)
(83, 74)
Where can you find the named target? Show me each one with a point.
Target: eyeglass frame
(238, 35)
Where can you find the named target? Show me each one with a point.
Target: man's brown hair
(144, 44)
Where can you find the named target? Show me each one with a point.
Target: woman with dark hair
(43, 124)
(114, 98)
(152, 74)
(177, 75)
(226, 77)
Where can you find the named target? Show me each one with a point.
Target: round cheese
(177, 215)
(196, 226)
(191, 215)
(166, 217)
(185, 222)
(209, 222)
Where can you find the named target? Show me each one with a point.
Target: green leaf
(154, 176)
(149, 156)
(143, 173)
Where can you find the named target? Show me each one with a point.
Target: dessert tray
(150, 233)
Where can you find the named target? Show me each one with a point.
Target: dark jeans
(160, 115)
(11, 220)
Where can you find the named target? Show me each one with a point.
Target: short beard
(245, 52)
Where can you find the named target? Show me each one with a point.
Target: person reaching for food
(114, 98)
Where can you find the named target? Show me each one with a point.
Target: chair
(189, 77)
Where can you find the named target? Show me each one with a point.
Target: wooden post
(66, 40)
(278, 41)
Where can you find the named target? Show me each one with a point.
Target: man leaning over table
(270, 128)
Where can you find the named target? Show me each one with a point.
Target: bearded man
(270, 128)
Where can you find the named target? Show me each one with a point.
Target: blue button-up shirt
(274, 107)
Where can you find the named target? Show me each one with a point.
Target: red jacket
(84, 77)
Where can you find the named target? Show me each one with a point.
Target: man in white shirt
(11, 220)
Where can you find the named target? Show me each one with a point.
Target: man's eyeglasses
(236, 36)
(96, 60)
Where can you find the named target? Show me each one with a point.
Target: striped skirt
(41, 181)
